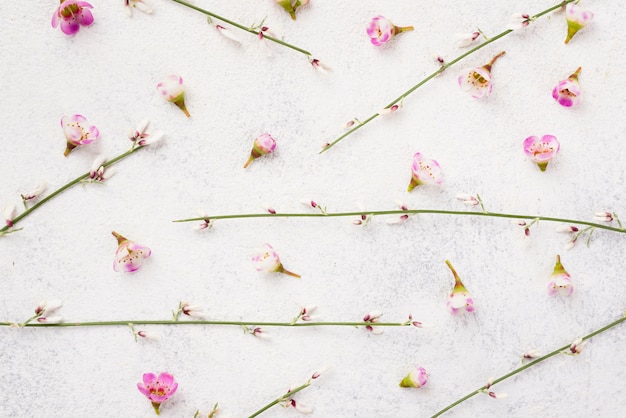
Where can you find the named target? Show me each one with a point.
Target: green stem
(202, 322)
(436, 73)
(237, 25)
(526, 366)
(408, 212)
(64, 188)
(281, 399)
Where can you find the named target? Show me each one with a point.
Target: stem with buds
(283, 398)
(439, 71)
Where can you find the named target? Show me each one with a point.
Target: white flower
(9, 212)
(193, 311)
(467, 199)
(36, 191)
(48, 307)
(466, 39)
(227, 33)
(603, 217)
(518, 21)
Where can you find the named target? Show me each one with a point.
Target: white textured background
(108, 73)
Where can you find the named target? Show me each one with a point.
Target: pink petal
(69, 27)
(79, 118)
(85, 18)
(84, 4)
(148, 378)
(73, 134)
(94, 133)
(166, 379)
(55, 19)
(143, 390)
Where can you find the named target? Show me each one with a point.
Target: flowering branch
(401, 98)
(87, 177)
(571, 349)
(534, 218)
(244, 28)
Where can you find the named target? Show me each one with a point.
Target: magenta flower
(173, 90)
(158, 389)
(129, 256)
(416, 378)
(71, 14)
(263, 144)
(381, 30)
(78, 132)
(424, 171)
(577, 18)
(477, 81)
(561, 281)
(568, 92)
(541, 151)
(267, 260)
(460, 299)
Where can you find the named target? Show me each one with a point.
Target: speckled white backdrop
(108, 73)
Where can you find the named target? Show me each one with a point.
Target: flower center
(70, 11)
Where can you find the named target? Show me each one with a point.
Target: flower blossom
(567, 92)
(193, 311)
(129, 256)
(402, 218)
(263, 144)
(291, 6)
(561, 281)
(35, 192)
(267, 260)
(381, 30)
(577, 18)
(541, 151)
(97, 172)
(467, 199)
(460, 299)
(45, 309)
(319, 66)
(173, 90)
(466, 39)
(78, 132)
(477, 81)
(518, 21)
(416, 378)
(157, 389)
(372, 318)
(9, 213)
(531, 354)
(424, 171)
(603, 217)
(71, 14)
(576, 347)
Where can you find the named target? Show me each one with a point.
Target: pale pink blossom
(518, 21)
(78, 132)
(263, 144)
(157, 389)
(577, 18)
(173, 90)
(193, 311)
(381, 30)
(603, 217)
(71, 14)
(266, 260)
(416, 378)
(129, 256)
(466, 39)
(567, 92)
(560, 281)
(424, 171)
(48, 307)
(35, 191)
(477, 81)
(541, 150)
(460, 299)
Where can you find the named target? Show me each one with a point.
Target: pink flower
(424, 171)
(263, 144)
(460, 299)
(577, 18)
(129, 256)
(71, 14)
(158, 389)
(173, 90)
(78, 132)
(561, 281)
(381, 30)
(568, 92)
(267, 260)
(477, 81)
(541, 151)
(416, 378)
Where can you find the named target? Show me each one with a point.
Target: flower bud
(416, 378)
(577, 18)
(263, 144)
(173, 90)
(460, 299)
(561, 281)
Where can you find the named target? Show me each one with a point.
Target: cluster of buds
(402, 218)
(519, 20)
(98, 172)
(363, 219)
(44, 311)
(206, 221)
(526, 225)
(255, 331)
(305, 314)
(372, 318)
(139, 137)
(491, 393)
(575, 348)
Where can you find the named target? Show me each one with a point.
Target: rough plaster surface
(108, 73)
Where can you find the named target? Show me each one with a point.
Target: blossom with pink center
(560, 281)
(263, 144)
(267, 260)
(577, 18)
(460, 299)
(71, 14)
(157, 389)
(381, 30)
(78, 132)
(541, 151)
(424, 171)
(568, 91)
(291, 6)
(173, 90)
(477, 81)
(129, 256)
(416, 378)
